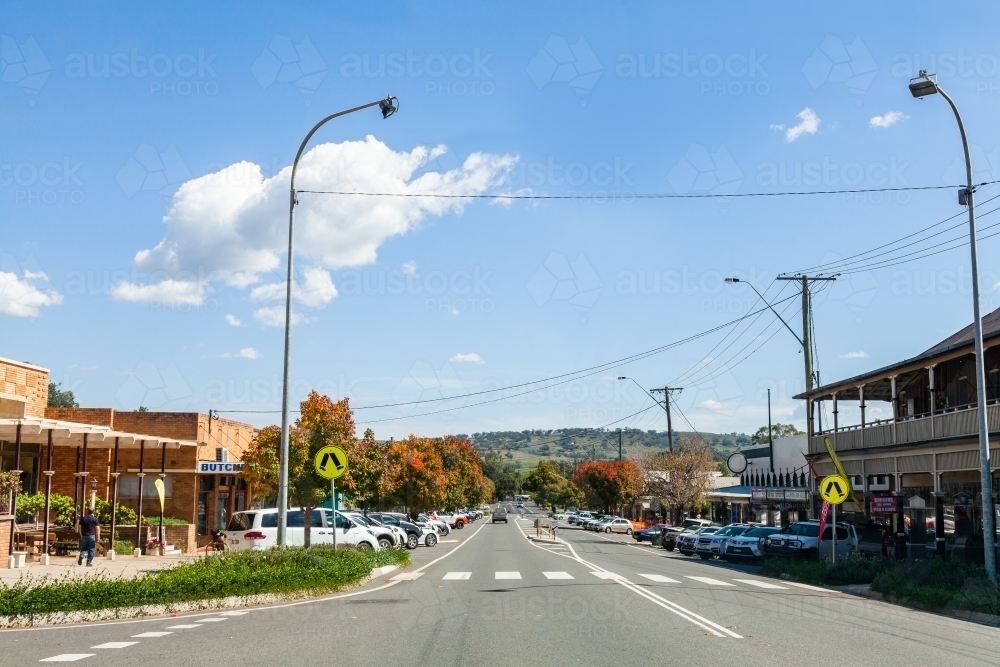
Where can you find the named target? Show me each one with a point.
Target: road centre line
(688, 615)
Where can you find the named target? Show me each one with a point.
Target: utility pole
(770, 441)
(619, 444)
(806, 339)
(666, 405)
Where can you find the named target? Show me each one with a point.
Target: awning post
(114, 502)
(142, 476)
(48, 498)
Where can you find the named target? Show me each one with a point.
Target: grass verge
(317, 570)
(934, 585)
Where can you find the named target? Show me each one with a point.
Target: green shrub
(30, 505)
(154, 520)
(936, 584)
(853, 569)
(124, 516)
(317, 570)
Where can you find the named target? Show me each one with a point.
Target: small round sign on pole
(834, 489)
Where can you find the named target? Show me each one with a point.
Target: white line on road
(710, 581)
(808, 587)
(660, 579)
(507, 575)
(68, 657)
(760, 584)
(115, 644)
(456, 576)
(557, 575)
(211, 619)
(151, 635)
(234, 613)
(183, 627)
(608, 575)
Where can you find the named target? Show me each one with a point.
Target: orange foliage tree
(609, 483)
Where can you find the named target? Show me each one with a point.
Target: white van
(258, 529)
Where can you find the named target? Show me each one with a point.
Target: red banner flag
(822, 522)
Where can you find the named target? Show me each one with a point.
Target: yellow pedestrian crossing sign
(331, 462)
(834, 489)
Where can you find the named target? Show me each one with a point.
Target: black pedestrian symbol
(833, 489)
(328, 458)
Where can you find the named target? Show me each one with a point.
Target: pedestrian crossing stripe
(507, 575)
(711, 582)
(151, 635)
(760, 584)
(660, 579)
(456, 576)
(608, 575)
(557, 575)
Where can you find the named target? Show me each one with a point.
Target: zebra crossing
(685, 580)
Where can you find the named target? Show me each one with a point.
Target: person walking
(888, 544)
(90, 534)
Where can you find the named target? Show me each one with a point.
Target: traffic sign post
(834, 489)
(331, 463)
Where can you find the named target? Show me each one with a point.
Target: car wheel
(385, 543)
(668, 548)
(459, 526)
(628, 531)
(704, 556)
(364, 546)
(447, 529)
(411, 541)
(431, 540)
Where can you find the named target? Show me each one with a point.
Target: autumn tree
(552, 489)
(610, 483)
(363, 480)
(261, 463)
(415, 475)
(680, 478)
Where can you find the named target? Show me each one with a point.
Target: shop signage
(218, 468)
(758, 494)
(963, 499)
(779, 495)
(775, 494)
(885, 505)
(796, 496)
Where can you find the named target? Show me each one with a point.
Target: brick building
(196, 455)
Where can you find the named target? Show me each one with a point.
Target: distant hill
(580, 443)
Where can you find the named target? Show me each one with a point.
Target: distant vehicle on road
(647, 534)
(500, 515)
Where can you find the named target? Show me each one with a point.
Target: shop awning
(35, 430)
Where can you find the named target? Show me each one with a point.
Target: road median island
(217, 581)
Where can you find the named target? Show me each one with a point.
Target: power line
(654, 195)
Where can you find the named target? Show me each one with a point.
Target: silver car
(615, 525)
(687, 542)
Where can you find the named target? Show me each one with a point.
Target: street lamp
(388, 106)
(921, 86)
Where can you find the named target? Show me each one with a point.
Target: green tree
(777, 431)
(552, 489)
(59, 398)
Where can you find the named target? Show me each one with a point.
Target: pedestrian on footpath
(888, 544)
(90, 533)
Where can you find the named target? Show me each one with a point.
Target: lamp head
(732, 280)
(924, 84)
(622, 377)
(389, 106)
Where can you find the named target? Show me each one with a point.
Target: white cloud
(888, 119)
(231, 226)
(233, 321)
(245, 353)
(777, 127)
(471, 358)
(808, 124)
(274, 316)
(711, 404)
(20, 297)
(166, 292)
(410, 268)
(317, 289)
(855, 355)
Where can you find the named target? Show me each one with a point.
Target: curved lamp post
(388, 106)
(921, 86)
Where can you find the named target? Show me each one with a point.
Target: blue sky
(143, 201)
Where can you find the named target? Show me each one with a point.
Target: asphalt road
(496, 598)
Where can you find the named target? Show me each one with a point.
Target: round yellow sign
(834, 489)
(331, 462)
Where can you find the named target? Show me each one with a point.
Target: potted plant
(154, 547)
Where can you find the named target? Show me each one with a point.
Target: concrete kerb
(143, 611)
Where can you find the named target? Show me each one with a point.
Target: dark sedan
(647, 534)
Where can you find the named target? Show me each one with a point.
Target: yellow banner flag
(160, 491)
(840, 471)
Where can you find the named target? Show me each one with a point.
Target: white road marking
(608, 575)
(407, 576)
(67, 657)
(211, 619)
(557, 575)
(710, 581)
(507, 575)
(151, 635)
(456, 576)
(660, 579)
(183, 627)
(445, 541)
(760, 584)
(234, 613)
(114, 645)
(807, 586)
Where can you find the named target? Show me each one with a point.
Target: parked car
(578, 518)
(713, 545)
(687, 542)
(647, 534)
(617, 525)
(500, 515)
(440, 526)
(258, 530)
(453, 519)
(749, 546)
(802, 539)
(595, 522)
(415, 535)
(387, 536)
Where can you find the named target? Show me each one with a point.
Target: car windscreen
(805, 529)
(760, 532)
(241, 521)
